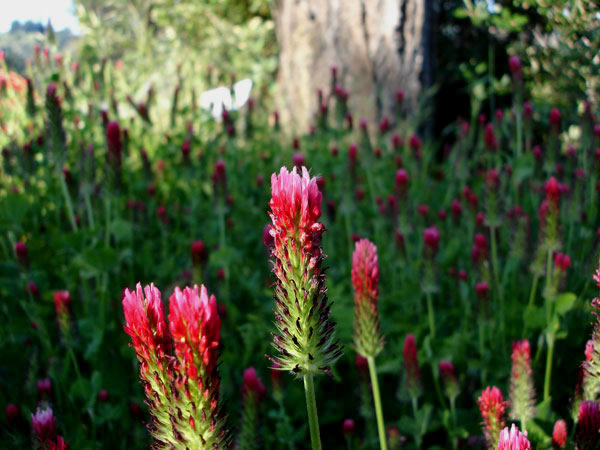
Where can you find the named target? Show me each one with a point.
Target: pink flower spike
(492, 407)
(44, 424)
(411, 365)
(365, 278)
(62, 300)
(514, 63)
(365, 270)
(21, 252)
(253, 385)
(348, 427)
(145, 323)
(555, 119)
(296, 200)
(559, 434)
(588, 424)
(196, 328)
(513, 439)
(12, 412)
(431, 236)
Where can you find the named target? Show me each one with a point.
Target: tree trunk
(378, 47)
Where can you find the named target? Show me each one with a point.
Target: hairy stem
(311, 407)
(377, 400)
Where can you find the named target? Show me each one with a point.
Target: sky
(60, 13)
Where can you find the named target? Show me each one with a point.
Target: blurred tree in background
(162, 42)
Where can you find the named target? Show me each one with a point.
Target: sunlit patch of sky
(59, 12)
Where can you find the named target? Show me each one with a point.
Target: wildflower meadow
(177, 276)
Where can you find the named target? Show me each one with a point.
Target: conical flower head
(253, 386)
(115, 145)
(411, 366)
(588, 425)
(365, 278)
(449, 378)
(145, 323)
(559, 434)
(295, 207)
(305, 336)
(181, 387)
(492, 407)
(196, 328)
(44, 424)
(513, 439)
(522, 392)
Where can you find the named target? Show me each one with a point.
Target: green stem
(499, 295)
(415, 408)
(533, 289)
(548, 290)
(311, 407)
(547, 376)
(90, 211)
(482, 348)
(74, 361)
(107, 208)
(65, 192)
(377, 400)
(550, 334)
(430, 313)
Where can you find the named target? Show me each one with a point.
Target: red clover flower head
(513, 439)
(492, 407)
(253, 385)
(306, 333)
(559, 435)
(411, 366)
(431, 237)
(365, 278)
(588, 424)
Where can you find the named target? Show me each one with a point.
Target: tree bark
(378, 47)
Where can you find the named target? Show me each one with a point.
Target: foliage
(92, 227)
(557, 40)
(212, 42)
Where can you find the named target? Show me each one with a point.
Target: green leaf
(536, 432)
(564, 303)
(534, 317)
(122, 230)
(80, 388)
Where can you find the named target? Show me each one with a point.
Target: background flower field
(487, 234)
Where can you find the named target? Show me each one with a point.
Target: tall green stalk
(499, 296)
(549, 333)
(311, 407)
(431, 314)
(377, 400)
(68, 201)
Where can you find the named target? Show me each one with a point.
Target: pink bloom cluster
(253, 384)
(513, 439)
(492, 407)
(44, 425)
(411, 365)
(365, 272)
(295, 207)
(178, 362)
(365, 278)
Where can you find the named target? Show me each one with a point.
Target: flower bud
(559, 435)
